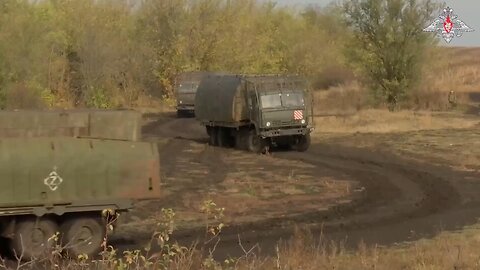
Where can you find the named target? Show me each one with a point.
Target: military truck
(255, 112)
(70, 172)
(186, 85)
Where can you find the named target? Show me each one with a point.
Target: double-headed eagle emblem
(448, 26)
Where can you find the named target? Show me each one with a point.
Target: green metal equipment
(71, 172)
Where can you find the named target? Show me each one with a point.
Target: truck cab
(282, 111)
(185, 95)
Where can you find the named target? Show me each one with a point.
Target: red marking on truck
(298, 115)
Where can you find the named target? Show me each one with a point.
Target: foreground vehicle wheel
(83, 235)
(31, 237)
(254, 142)
(303, 143)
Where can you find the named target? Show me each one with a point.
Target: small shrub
(98, 98)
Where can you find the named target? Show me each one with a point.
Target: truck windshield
(271, 101)
(293, 100)
(187, 87)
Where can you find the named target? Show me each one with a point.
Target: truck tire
(180, 114)
(222, 137)
(303, 143)
(254, 142)
(31, 237)
(241, 137)
(213, 136)
(83, 235)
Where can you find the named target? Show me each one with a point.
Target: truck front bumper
(286, 132)
(183, 107)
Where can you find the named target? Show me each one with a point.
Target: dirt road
(392, 199)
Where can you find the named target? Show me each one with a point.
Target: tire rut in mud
(402, 200)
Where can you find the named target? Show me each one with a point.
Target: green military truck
(186, 85)
(64, 171)
(255, 112)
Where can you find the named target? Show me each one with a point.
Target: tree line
(108, 53)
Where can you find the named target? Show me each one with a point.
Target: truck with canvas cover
(71, 172)
(186, 85)
(255, 112)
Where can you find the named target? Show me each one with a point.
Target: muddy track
(401, 200)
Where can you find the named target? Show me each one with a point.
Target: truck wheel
(31, 237)
(303, 143)
(213, 136)
(222, 137)
(180, 114)
(83, 235)
(254, 142)
(241, 138)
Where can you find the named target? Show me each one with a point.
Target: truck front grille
(284, 123)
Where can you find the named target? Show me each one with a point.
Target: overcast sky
(467, 10)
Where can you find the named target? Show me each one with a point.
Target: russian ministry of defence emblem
(448, 26)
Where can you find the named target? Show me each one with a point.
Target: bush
(388, 44)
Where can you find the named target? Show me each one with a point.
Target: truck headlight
(180, 102)
(303, 121)
(268, 124)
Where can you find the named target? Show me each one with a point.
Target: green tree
(388, 44)
(162, 25)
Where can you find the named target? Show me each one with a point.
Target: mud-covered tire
(31, 237)
(213, 136)
(241, 138)
(222, 137)
(303, 143)
(83, 235)
(254, 142)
